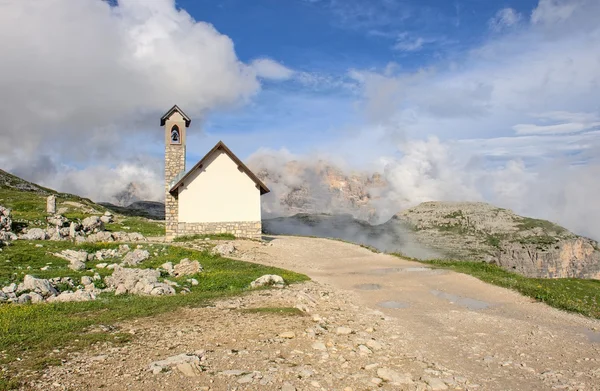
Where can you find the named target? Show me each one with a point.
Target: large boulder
(38, 285)
(268, 280)
(35, 234)
(135, 257)
(92, 224)
(185, 267)
(138, 282)
(67, 296)
(107, 217)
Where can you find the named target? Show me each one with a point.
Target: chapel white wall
(219, 192)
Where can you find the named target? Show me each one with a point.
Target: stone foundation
(240, 229)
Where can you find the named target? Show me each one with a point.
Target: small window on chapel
(175, 137)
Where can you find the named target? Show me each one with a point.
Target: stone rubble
(137, 281)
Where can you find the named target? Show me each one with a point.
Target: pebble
(343, 331)
(287, 335)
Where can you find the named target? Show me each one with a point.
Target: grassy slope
(570, 294)
(29, 208)
(30, 332)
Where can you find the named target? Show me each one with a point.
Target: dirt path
(372, 322)
(494, 336)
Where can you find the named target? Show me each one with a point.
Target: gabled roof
(173, 109)
(222, 147)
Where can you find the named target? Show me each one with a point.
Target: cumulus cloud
(269, 69)
(84, 82)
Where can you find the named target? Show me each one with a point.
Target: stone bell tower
(175, 122)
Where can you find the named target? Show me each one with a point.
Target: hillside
(468, 231)
(27, 202)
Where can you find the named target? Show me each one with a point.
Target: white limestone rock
(268, 280)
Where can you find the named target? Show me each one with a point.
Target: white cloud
(269, 69)
(71, 70)
(407, 43)
(506, 17)
(554, 129)
(571, 123)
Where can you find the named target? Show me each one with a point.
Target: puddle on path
(392, 270)
(368, 287)
(393, 304)
(467, 302)
(593, 336)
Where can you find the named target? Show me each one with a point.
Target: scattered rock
(92, 224)
(268, 280)
(138, 281)
(135, 257)
(35, 234)
(343, 331)
(435, 384)
(76, 259)
(287, 335)
(173, 361)
(38, 285)
(392, 376)
(224, 249)
(67, 296)
(186, 267)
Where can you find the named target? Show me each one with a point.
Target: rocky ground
(367, 321)
(329, 344)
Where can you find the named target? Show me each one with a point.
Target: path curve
(497, 337)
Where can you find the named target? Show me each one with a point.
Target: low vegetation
(189, 238)
(31, 335)
(570, 294)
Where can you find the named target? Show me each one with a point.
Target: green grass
(570, 294)
(30, 332)
(138, 224)
(286, 311)
(189, 238)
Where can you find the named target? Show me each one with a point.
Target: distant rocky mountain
(469, 231)
(298, 187)
(480, 231)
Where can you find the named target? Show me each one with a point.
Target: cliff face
(478, 231)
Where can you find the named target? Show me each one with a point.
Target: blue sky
(450, 100)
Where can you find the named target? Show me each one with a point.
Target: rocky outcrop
(476, 231)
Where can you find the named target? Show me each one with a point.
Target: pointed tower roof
(173, 109)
